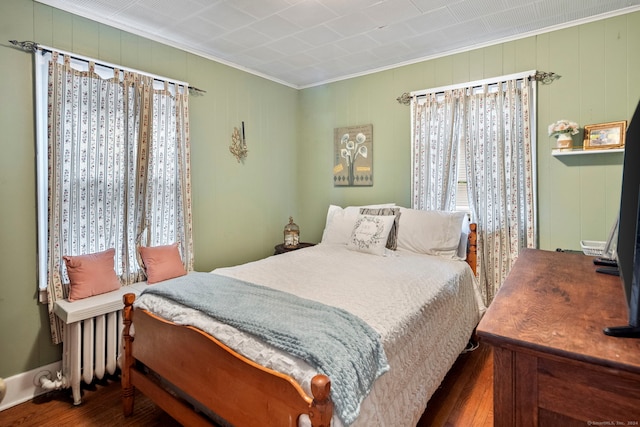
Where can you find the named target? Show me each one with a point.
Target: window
(113, 167)
(473, 149)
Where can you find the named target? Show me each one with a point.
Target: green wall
(239, 210)
(577, 195)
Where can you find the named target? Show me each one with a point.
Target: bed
(424, 308)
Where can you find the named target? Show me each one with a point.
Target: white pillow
(370, 234)
(392, 241)
(430, 232)
(340, 222)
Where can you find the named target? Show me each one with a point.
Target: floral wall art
(353, 156)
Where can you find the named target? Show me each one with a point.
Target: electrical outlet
(3, 389)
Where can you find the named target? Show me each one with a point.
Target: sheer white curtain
(500, 153)
(495, 123)
(436, 132)
(117, 170)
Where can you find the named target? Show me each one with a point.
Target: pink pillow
(162, 262)
(91, 274)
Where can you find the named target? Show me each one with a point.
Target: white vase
(564, 141)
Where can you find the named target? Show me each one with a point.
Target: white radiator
(90, 349)
(92, 337)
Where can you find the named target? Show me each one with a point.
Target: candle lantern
(291, 234)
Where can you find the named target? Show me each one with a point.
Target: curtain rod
(33, 47)
(539, 76)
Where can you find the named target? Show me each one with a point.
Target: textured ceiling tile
(299, 61)
(345, 7)
(227, 16)
(333, 39)
(431, 21)
(264, 54)
(318, 35)
(327, 52)
(466, 30)
(223, 47)
(352, 24)
(106, 7)
(427, 43)
(290, 45)
(392, 11)
(512, 18)
(359, 43)
(427, 5)
(390, 51)
(276, 27)
(470, 9)
(308, 14)
(196, 29)
(144, 19)
(259, 9)
(245, 37)
(387, 33)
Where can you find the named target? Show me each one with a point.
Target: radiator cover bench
(92, 336)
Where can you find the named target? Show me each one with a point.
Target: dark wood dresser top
(555, 302)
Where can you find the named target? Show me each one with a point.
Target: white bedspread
(424, 308)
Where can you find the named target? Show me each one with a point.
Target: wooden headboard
(472, 248)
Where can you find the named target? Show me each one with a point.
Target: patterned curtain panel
(437, 128)
(494, 124)
(119, 170)
(500, 172)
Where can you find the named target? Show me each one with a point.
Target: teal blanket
(333, 341)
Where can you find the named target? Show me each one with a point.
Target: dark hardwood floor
(465, 398)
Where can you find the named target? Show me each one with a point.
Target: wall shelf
(577, 151)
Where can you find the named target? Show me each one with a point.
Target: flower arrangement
(563, 126)
(351, 152)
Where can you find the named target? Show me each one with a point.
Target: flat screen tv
(627, 249)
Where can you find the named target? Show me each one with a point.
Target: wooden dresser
(553, 366)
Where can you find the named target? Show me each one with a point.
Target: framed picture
(353, 156)
(604, 136)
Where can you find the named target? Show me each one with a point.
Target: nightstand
(280, 249)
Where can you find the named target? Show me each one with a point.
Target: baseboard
(22, 387)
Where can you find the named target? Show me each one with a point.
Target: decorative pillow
(430, 232)
(340, 222)
(370, 233)
(162, 262)
(393, 234)
(91, 274)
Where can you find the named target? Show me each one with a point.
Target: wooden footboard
(221, 380)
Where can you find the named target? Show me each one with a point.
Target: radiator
(92, 337)
(90, 349)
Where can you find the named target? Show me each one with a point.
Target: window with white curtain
(473, 149)
(113, 167)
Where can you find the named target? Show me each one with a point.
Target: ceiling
(303, 43)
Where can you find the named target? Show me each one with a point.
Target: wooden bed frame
(231, 386)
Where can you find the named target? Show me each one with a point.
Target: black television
(627, 249)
